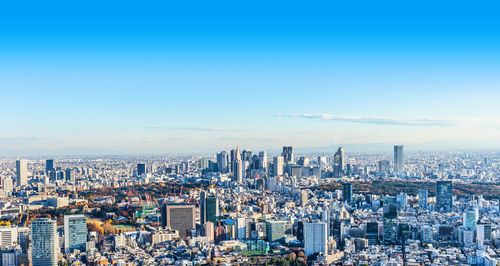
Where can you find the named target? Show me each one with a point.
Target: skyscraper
(372, 232)
(339, 162)
(315, 238)
(347, 192)
(222, 162)
(75, 232)
(211, 209)
(390, 221)
(49, 165)
(398, 159)
(141, 169)
(178, 217)
(21, 172)
(263, 160)
(288, 154)
(278, 165)
(203, 208)
(423, 199)
(44, 242)
(444, 196)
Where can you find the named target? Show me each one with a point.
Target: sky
(133, 77)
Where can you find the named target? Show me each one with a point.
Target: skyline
(163, 78)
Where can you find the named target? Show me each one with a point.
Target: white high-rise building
(279, 163)
(315, 238)
(44, 242)
(21, 172)
(262, 160)
(8, 236)
(241, 228)
(75, 232)
(8, 184)
(427, 234)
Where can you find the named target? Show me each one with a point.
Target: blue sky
(157, 77)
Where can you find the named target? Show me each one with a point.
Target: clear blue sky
(130, 76)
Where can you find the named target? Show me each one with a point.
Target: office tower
(238, 171)
(444, 196)
(470, 217)
(263, 160)
(178, 217)
(427, 234)
(383, 166)
(8, 237)
(322, 162)
(207, 230)
(49, 165)
(211, 209)
(246, 155)
(203, 164)
(71, 175)
(402, 199)
(275, 231)
(339, 162)
(235, 155)
(44, 242)
(484, 232)
(288, 154)
(21, 172)
(423, 199)
(372, 233)
(398, 159)
(347, 192)
(390, 221)
(141, 169)
(8, 184)
(315, 238)
(203, 208)
(278, 165)
(222, 162)
(75, 232)
(304, 197)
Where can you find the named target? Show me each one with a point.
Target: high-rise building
(49, 165)
(75, 232)
(8, 184)
(8, 236)
(423, 199)
(222, 162)
(470, 218)
(44, 242)
(390, 221)
(203, 208)
(444, 196)
(398, 159)
(22, 172)
(71, 175)
(178, 217)
(246, 155)
(347, 192)
(288, 154)
(384, 166)
(263, 160)
(211, 209)
(275, 231)
(339, 162)
(278, 165)
(141, 169)
(372, 232)
(315, 238)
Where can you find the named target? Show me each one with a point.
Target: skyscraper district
(253, 208)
